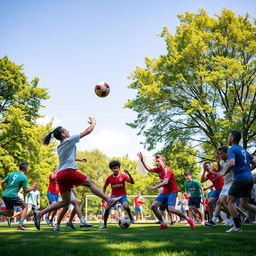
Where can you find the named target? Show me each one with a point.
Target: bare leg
(157, 213)
(95, 190)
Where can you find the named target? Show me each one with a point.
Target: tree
(20, 135)
(202, 87)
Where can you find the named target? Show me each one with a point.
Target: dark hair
(206, 163)
(222, 149)
(56, 133)
(23, 166)
(236, 135)
(114, 163)
(187, 173)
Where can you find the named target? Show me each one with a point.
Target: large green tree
(202, 86)
(20, 135)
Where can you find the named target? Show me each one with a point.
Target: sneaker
(47, 220)
(70, 225)
(191, 223)
(114, 200)
(210, 223)
(132, 220)
(22, 227)
(9, 220)
(58, 229)
(36, 219)
(52, 223)
(202, 223)
(102, 226)
(85, 225)
(234, 229)
(163, 226)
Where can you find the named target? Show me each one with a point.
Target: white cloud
(46, 120)
(106, 139)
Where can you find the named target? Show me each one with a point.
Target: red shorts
(67, 178)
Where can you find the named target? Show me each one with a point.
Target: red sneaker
(163, 226)
(191, 223)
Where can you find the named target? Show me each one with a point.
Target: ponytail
(56, 133)
(47, 138)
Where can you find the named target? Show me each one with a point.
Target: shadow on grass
(139, 239)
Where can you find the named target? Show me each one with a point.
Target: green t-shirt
(193, 188)
(15, 181)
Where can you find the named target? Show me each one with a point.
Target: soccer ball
(124, 222)
(102, 89)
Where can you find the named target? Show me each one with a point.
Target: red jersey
(53, 186)
(166, 172)
(117, 184)
(138, 201)
(217, 181)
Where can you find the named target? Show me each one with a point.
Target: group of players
(234, 160)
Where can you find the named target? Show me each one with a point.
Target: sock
(187, 218)
(237, 222)
(21, 222)
(82, 220)
(57, 226)
(162, 222)
(214, 219)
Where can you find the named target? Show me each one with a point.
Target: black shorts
(241, 188)
(10, 202)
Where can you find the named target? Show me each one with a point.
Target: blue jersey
(242, 158)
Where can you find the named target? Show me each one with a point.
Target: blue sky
(72, 45)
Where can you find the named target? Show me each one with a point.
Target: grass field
(139, 239)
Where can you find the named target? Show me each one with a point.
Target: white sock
(82, 220)
(162, 222)
(214, 219)
(187, 218)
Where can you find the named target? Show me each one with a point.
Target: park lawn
(139, 239)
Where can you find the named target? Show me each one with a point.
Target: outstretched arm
(144, 164)
(92, 122)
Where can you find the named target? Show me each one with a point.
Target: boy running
(239, 161)
(217, 183)
(170, 190)
(117, 181)
(194, 188)
(11, 186)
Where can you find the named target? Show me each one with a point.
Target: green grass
(139, 239)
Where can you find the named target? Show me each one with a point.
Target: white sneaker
(202, 223)
(234, 229)
(58, 229)
(102, 226)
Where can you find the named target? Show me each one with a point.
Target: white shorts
(225, 189)
(30, 206)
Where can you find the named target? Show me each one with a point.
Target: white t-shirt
(228, 178)
(67, 153)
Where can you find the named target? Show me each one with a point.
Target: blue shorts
(138, 209)
(216, 193)
(122, 200)
(52, 197)
(169, 198)
(194, 201)
(163, 206)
